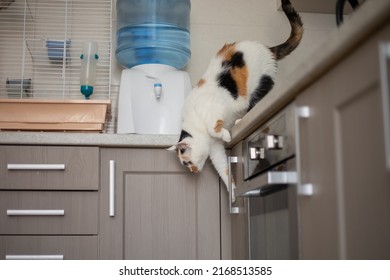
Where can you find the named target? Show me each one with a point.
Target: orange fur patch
(194, 169)
(201, 82)
(218, 126)
(240, 76)
(227, 51)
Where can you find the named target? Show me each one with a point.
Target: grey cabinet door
(31, 212)
(161, 210)
(343, 156)
(70, 247)
(78, 168)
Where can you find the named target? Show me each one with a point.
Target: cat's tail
(282, 50)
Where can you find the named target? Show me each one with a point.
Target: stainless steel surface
(269, 145)
(306, 189)
(13, 166)
(272, 227)
(271, 179)
(384, 55)
(301, 113)
(270, 186)
(34, 257)
(274, 142)
(17, 212)
(112, 189)
(232, 210)
(256, 153)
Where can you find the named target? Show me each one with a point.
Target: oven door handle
(271, 179)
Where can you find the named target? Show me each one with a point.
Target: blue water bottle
(153, 32)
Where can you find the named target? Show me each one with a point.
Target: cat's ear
(179, 146)
(173, 148)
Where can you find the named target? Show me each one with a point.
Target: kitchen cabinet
(49, 247)
(49, 167)
(343, 157)
(48, 206)
(157, 209)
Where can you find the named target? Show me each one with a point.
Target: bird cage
(40, 46)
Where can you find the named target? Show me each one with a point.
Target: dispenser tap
(157, 87)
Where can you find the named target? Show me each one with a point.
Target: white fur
(208, 103)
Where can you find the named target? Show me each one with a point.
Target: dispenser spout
(157, 90)
(157, 87)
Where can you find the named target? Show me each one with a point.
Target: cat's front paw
(226, 136)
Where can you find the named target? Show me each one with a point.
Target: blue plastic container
(55, 50)
(153, 31)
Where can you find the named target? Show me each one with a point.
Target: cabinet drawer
(61, 168)
(44, 212)
(49, 247)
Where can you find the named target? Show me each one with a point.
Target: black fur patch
(265, 85)
(237, 60)
(226, 81)
(184, 134)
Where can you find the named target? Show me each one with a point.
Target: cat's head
(191, 154)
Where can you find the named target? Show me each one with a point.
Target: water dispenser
(153, 44)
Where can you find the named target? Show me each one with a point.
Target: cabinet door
(71, 247)
(48, 212)
(49, 168)
(342, 145)
(161, 210)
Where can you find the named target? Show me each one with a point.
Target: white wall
(216, 22)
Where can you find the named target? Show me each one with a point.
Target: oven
(268, 181)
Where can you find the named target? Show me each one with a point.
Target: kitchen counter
(370, 16)
(88, 139)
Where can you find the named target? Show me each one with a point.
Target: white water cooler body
(150, 99)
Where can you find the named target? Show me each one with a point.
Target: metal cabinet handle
(15, 212)
(14, 166)
(384, 55)
(303, 189)
(232, 210)
(34, 257)
(112, 189)
(271, 179)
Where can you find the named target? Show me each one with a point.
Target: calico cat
(237, 78)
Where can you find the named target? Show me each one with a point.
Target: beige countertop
(371, 16)
(87, 139)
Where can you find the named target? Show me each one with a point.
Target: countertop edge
(88, 139)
